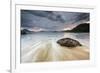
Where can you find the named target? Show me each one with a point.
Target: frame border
(11, 10)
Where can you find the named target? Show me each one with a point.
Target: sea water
(29, 42)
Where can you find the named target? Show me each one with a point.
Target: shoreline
(48, 51)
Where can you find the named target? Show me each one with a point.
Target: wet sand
(48, 50)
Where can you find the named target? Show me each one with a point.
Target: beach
(49, 50)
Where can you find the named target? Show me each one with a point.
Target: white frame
(15, 45)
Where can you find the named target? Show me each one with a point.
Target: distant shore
(81, 28)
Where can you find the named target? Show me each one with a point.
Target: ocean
(32, 45)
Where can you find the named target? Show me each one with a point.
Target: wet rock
(68, 42)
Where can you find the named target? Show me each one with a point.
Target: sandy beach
(48, 50)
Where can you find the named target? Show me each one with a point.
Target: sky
(36, 20)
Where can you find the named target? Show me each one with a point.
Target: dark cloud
(48, 14)
(51, 20)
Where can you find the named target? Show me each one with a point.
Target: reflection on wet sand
(48, 50)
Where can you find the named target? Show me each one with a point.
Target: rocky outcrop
(84, 27)
(25, 31)
(68, 42)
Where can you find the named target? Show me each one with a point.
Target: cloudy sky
(51, 20)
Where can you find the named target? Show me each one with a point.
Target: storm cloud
(50, 20)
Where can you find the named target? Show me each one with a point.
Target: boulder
(68, 42)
